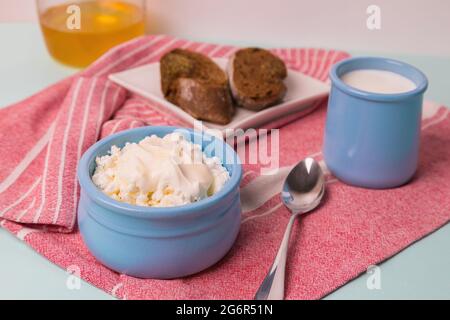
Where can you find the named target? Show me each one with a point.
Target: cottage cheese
(159, 172)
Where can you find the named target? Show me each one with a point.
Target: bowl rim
(94, 193)
(336, 79)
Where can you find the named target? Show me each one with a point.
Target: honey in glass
(102, 24)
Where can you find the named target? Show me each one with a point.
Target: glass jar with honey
(78, 32)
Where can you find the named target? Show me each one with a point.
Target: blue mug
(372, 139)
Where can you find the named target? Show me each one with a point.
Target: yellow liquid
(103, 24)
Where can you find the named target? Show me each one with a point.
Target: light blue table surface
(422, 271)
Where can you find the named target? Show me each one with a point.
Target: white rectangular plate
(302, 92)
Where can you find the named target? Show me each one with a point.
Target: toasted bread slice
(202, 100)
(256, 78)
(197, 85)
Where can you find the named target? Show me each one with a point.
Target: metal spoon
(302, 191)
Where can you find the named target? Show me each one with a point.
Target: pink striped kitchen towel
(43, 137)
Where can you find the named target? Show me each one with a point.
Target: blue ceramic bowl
(372, 139)
(160, 243)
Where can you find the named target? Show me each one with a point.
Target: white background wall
(407, 26)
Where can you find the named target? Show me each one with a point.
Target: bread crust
(204, 101)
(256, 78)
(193, 82)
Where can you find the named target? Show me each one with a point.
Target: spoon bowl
(304, 187)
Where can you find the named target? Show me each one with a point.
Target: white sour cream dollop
(159, 172)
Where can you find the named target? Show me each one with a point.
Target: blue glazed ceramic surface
(159, 243)
(371, 139)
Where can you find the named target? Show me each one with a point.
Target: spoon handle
(272, 287)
